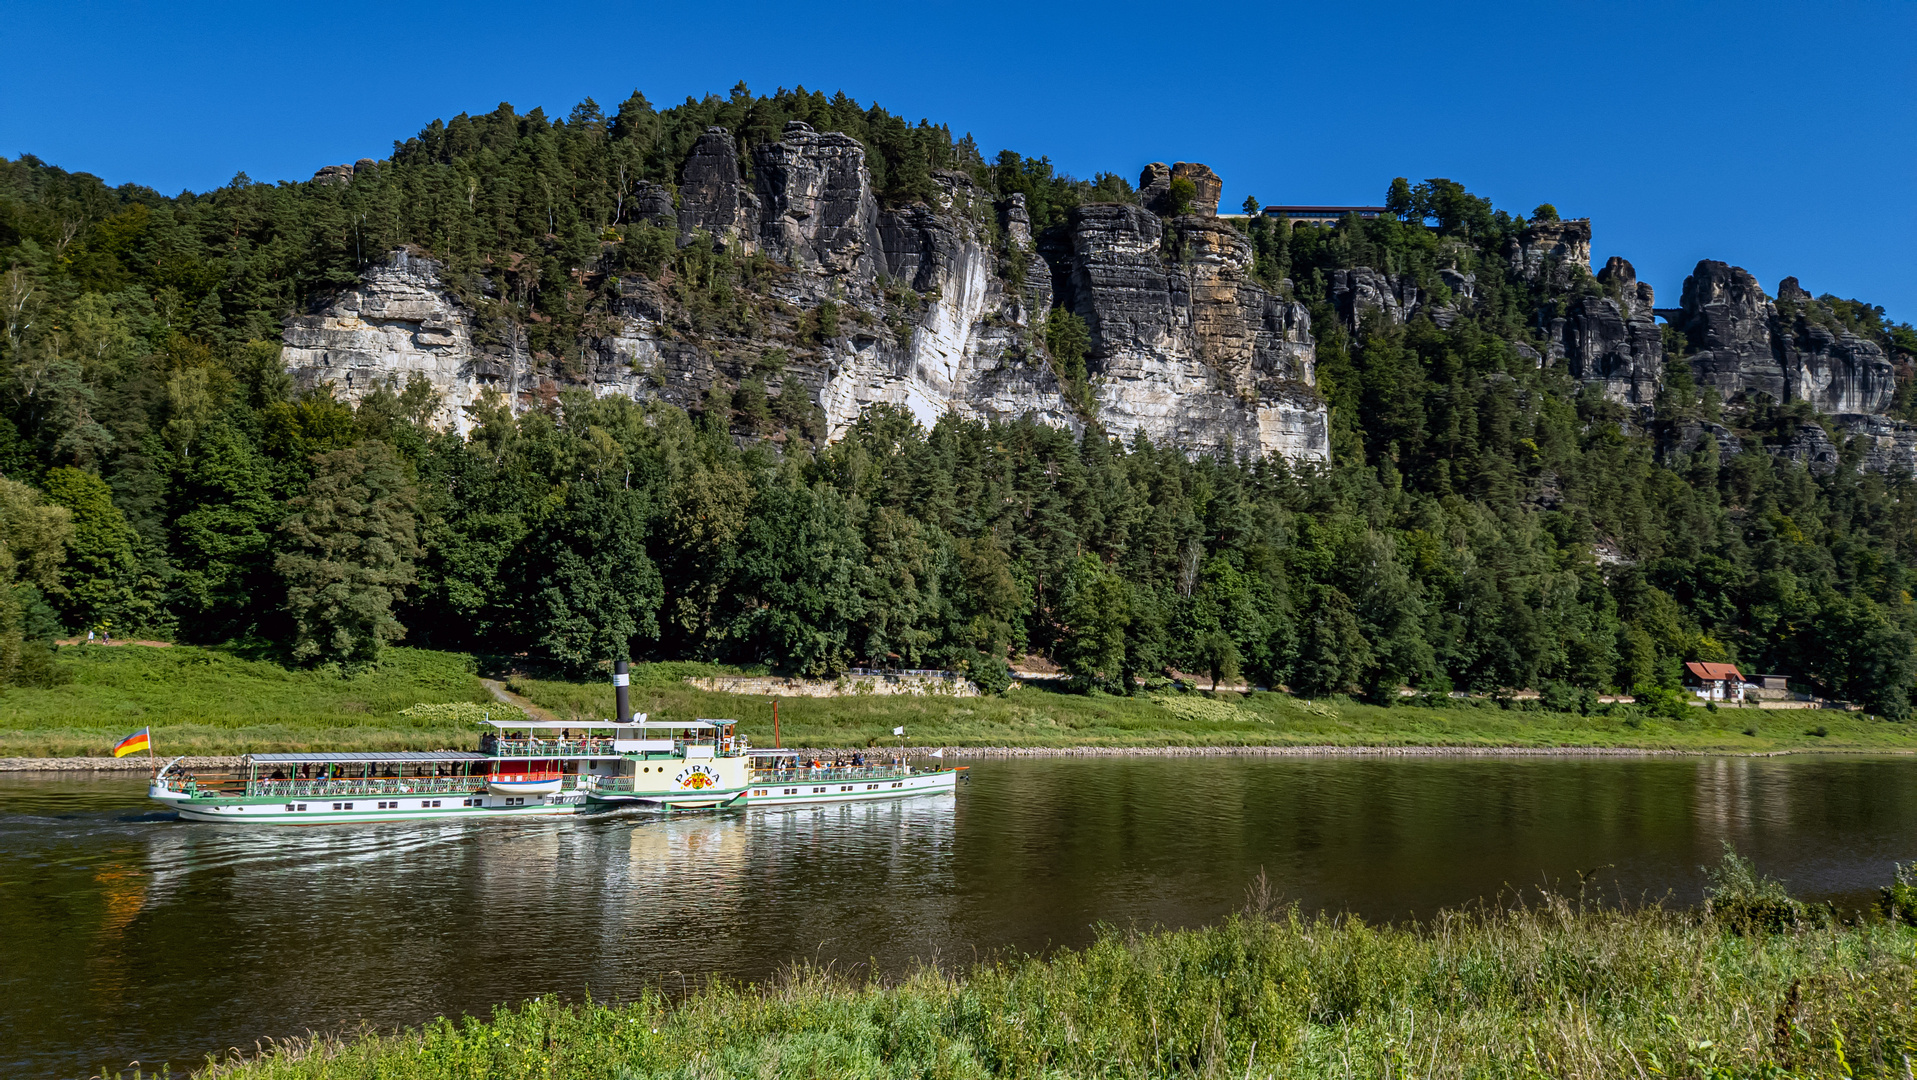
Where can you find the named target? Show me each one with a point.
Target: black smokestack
(621, 696)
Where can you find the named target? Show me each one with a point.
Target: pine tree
(352, 543)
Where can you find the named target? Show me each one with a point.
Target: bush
(1899, 899)
(1745, 902)
(36, 668)
(460, 712)
(1563, 697)
(1179, 199)
(1662, 701)
(990, 675)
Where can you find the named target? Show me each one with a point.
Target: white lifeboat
(524, 784)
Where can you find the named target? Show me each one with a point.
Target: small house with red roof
(1714, 682)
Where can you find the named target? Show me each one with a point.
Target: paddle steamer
(536, 768)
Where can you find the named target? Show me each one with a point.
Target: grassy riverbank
(1546, 990)
(1034, 716)
(212, 701)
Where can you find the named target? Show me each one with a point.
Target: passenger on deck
(858, 761)
(278, 775)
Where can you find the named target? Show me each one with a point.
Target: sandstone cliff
(1613, 341)
(1792, 349)
(1185, 347)
(941, 308)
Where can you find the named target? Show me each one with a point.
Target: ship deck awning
(601, 725)
(392, 757)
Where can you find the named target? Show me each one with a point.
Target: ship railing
(367, 786)
(829, 772)
(547, 747)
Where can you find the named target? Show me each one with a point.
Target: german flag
(133, 744)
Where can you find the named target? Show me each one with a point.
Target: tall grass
(1552, 988)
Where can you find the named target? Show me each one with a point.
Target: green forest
(161, 479)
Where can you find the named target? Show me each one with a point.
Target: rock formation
(1727, 319)
(1830, 367)
(815, 203)
(1154, 187)
(1189, 351)
(1360, 289)
(653, 203)
(943, 307)
(1555, 245)
(1616, 344)
(397, 324)
(712, 198)
(1792, 349)
(939, 311)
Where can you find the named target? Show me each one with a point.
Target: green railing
(828, 773)
(341, 787)
(510, 748)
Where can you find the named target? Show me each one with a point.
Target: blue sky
(1782, 138)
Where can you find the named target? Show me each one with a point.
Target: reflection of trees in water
(1732, 801)
(746, 893)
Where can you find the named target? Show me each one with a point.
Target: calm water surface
(127, 934)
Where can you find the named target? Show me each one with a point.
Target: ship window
(336, 806)
(289, 806)
(817, 790)
(349, 806)
(302, 806)
(435, 802)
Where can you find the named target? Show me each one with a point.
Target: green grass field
(210, 701)
(1032, 716)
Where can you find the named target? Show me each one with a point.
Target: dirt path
(499, 691)
(114, 644)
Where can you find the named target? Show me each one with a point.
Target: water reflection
(132, 935)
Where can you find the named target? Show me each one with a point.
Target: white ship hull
(801, 792)
(342, 810)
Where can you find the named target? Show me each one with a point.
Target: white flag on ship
(938, 753)
(898, 731)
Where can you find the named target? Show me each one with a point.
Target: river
(126, 934)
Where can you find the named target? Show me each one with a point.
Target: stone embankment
(1311, 751)
(849, 685)
(107, 764)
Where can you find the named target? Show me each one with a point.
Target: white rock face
(929, 320)
(398, 323)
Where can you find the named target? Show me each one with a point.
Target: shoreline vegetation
(217, 702)
(1753, 984)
